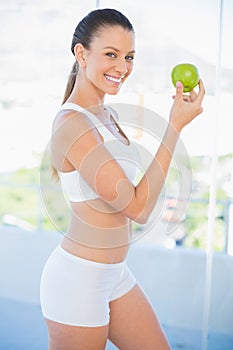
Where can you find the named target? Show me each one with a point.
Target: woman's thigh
(65, 337)
(134, 325)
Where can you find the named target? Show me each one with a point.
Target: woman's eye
(111, 54)
(129, 58)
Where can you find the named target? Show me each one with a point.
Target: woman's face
(110, 59)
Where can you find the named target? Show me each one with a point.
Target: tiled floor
(22, 328)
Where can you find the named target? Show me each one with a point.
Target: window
(35, 61)
(34, 75)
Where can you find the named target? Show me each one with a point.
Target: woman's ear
(79, 52)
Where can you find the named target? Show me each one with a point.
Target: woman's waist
(99, 235)
(98, 230)
(98, 220)
(105, 255)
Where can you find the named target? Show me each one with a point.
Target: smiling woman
(114, 62)
(88, 293)
(83, 39)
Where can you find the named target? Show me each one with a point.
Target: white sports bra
(72, 183)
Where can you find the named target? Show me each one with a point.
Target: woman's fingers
(193, 96)
(186, 98)
(179, 90)
(201, 92)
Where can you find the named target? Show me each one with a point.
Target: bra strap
(74, 106)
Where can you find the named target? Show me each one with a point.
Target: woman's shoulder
(72, 126)
(71, 118)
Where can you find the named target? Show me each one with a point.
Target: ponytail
(68, 90)
(71, 81)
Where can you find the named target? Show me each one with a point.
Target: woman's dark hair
(85, 32)
(87, 29)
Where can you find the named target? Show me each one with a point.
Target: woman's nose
(121, 67)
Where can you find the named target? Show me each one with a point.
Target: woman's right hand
(186, 107)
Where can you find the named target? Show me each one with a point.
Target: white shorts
(76, 291)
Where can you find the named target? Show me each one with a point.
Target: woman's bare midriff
(97, 232)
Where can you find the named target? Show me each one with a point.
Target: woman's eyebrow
(115, 49)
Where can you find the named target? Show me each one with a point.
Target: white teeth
(113, 79)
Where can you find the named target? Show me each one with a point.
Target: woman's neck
(86, 94)
(95, 104)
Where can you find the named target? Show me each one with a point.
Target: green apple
(187, 74)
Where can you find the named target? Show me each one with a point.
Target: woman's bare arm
(90, 157)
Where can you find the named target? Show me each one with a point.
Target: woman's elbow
(140, 219)
(140, 216)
